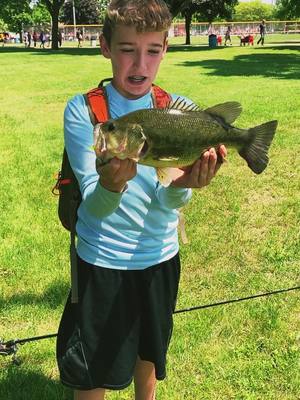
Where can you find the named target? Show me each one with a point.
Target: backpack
(67, 187)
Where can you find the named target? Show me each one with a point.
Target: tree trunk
(54, 16)
(188, 21)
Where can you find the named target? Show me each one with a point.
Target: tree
(207, 9)
(3, 26)
(86, 12)
(253, 11)
(40, 15)
(16, 14)
(287, 9)
(54, 6)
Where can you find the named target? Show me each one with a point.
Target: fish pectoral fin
(164, 176)
(229, 111)
(181, 226)
(182, 105)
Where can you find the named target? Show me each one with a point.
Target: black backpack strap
(73, 252)
(75, 202)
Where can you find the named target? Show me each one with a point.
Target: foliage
(207, 10)
(288, 9)
(253, 11)
(3, 26)
(86, 12)
(15, 13)
(102, 7)
(40, 15)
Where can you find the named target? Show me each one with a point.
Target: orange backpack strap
(98, 105)
(160, 97)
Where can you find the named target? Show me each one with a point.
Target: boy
(127, 226)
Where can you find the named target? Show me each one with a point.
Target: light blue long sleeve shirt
(131, 230)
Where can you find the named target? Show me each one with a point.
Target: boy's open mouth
(137, 78)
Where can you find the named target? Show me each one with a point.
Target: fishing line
(10, 347)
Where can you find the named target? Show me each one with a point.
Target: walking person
(42, 39)
(227, 36)
(262, 32)
(79, 38)
(34, 38)
(59, 38)
(29, 39)
(127, 248)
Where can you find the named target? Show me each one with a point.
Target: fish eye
(110, 126)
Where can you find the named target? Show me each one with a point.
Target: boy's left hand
(203, 170)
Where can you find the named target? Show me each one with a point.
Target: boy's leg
(96, 394)
(144, 380)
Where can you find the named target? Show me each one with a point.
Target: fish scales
(174, 137)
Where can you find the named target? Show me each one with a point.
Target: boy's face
(135, 59)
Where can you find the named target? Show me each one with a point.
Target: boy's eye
(154, 51)
(127, 50)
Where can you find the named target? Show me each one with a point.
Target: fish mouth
(144, 150)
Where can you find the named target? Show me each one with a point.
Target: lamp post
(74, 19)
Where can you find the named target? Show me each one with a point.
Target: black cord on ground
(10, 347)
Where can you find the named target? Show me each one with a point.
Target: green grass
(243, 229)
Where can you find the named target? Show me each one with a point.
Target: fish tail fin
(256, 152)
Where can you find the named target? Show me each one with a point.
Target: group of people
(4, 37)
(245, 37)
(41, 37)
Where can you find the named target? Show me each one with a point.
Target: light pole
(74, 19)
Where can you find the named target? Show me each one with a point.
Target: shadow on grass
(54, 296)
(73, 51)
(22, 384)
(280, 66)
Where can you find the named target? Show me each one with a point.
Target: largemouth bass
(177, 135)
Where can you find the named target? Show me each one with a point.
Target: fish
(176, 136)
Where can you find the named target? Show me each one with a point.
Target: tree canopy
(86, 12)
(253, 11)
(288, 9)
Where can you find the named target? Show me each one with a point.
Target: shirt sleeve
(173, 197)
(78, 135)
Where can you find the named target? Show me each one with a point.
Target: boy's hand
(203, 170)
(115, 174)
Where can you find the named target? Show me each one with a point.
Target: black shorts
(120, 315)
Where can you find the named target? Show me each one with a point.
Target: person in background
(34, 38)
(79, 36)
(59, 38)
(28, 39)
(42, 39)
(262, 32)
(127, 249)
(228, 36)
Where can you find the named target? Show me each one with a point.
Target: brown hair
(144, 15)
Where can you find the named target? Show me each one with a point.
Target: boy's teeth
(137, 78)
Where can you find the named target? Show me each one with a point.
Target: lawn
(243, 230)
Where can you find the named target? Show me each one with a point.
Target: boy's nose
(140, 61)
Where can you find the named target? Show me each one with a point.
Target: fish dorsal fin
(229, 111)
(182, 105)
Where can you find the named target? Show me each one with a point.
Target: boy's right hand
(115, 174)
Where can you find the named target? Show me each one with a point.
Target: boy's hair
(144, 15)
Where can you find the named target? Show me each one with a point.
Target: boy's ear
(166, 43)
(105, 49)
